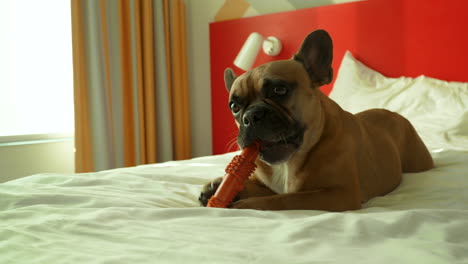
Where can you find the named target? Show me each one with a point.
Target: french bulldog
(313, 154)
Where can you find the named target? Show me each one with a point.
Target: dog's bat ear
(316, 54)
(229, 77)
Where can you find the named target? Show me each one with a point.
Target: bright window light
(36, 70)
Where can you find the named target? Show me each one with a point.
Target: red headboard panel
(395, 37)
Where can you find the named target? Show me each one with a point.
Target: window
(36, 70)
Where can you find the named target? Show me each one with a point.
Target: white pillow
(437, 109)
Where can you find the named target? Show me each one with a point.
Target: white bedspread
(150, 214)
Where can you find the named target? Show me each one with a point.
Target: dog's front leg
(252, 188)
(336, 200)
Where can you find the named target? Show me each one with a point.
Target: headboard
(394, 37)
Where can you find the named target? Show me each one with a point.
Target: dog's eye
(280, 90)
(235, 108)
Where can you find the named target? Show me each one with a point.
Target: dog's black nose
(253, 116)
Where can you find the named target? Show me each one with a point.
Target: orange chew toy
(237, 172)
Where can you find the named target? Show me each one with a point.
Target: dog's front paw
(209, 190)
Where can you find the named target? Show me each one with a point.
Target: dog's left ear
(316, 54)
(229, 77)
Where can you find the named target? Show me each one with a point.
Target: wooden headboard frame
(394, 37)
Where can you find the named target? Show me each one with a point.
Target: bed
(150, 213)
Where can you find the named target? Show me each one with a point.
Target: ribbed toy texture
(237, 172)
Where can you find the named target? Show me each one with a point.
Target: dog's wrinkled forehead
(249, 85)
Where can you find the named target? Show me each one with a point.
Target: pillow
(437, 109)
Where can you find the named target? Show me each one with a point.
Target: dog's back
(391, 143)
(414, 155)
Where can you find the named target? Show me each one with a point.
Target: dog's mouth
(278, 133)
(280, 149)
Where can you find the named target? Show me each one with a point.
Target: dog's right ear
(229, 77)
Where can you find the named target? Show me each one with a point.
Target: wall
(199, 15)
(198, 18)
(23, 160)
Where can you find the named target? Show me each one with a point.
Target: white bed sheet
(150, 214)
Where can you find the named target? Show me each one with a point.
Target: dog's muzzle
(279, 134)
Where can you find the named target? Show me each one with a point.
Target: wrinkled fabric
(150, 214)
